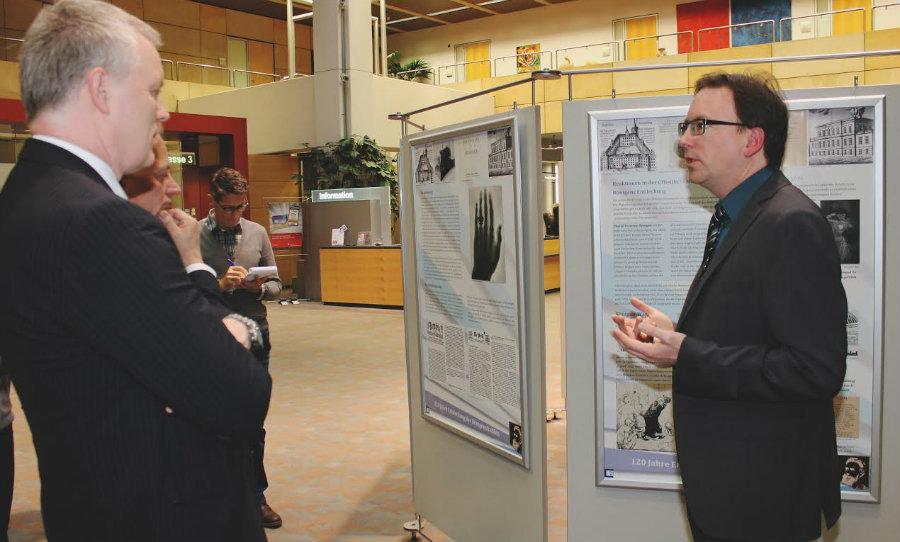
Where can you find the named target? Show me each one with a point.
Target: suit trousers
(258, 447)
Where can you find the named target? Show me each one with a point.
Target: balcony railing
(581, 55)
(509, 65)
(816, 19)
(731, 34)
(661, 51)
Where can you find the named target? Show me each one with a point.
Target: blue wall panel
(748, 11)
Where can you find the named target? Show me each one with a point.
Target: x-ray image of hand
(486, 253)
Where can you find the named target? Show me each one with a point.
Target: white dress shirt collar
(102, 168)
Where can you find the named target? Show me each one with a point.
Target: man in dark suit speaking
(760, 348)
(139, 399)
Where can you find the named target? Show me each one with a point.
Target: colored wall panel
(752, 11)
(696, 16)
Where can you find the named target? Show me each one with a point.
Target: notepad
(263, 271)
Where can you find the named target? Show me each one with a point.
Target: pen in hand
(230, 261)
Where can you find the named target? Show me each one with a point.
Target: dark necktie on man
(718, 221)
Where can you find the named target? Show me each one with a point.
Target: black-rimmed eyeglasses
(233, 208)
(698, 126)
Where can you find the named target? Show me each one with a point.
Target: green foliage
(354, 162)
(397, 69)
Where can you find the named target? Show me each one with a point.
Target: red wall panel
(705, 14)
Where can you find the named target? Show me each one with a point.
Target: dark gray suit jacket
(764, 356)
(139, 400)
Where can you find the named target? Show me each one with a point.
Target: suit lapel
(737, 230)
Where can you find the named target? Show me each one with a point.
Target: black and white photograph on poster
(425, 167)
(500, 161)
(515, 437)
(629, 150)
(644, 417)
(843, 216)
(486, 220)
(854, 473)
(841, 135)
(446, 163)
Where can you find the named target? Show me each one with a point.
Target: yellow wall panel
(271, 167)
(883, 77)
(212, 19)
(20, 13)
(249, 26)
(304, 61)
(213, 45)
(195, 90)
(302, 34)
(469, 86)
(880, 40)
(669, 92)
(172, 91)
(592, 85)
(9, 50)
(281, 57)
(134, 7)
(750, 51)
(854, 21)
(178, 40)
(262, 59)
(647, 81)
(520, 94)
(181, 13)
(555, 90)
(9, 80)
(834, 44)
(551, 113)
(821, 81)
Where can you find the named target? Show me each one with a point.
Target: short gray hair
(69, 39)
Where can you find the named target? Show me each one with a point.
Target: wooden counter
(551, 264)
(362, 275)
(374, 275)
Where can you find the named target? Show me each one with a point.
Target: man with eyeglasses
(231, 245)
(759, 350)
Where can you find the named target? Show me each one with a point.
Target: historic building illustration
(628, 151)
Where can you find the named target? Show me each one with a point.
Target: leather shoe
(270, 518)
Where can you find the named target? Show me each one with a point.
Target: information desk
(551, 264)
(362, 275)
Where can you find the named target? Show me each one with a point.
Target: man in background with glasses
(231, 245)
(759, 351)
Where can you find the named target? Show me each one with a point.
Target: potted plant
(354, 162)
(414, 69)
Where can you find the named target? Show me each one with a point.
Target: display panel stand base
(416, 528)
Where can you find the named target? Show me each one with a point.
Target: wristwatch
(256, 338)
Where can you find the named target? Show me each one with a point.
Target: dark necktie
(716, 223)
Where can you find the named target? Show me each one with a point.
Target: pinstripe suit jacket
(139, 401)
(764, 356)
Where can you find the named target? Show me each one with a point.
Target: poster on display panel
(466, 226)
(649, 228)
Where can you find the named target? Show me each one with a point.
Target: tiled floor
(337, 452)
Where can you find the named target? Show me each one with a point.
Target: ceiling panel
(464, 15)
(514, 5)
(415, 24)
(426, 10)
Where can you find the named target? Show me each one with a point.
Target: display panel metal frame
(503, 120)
(876, 276)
